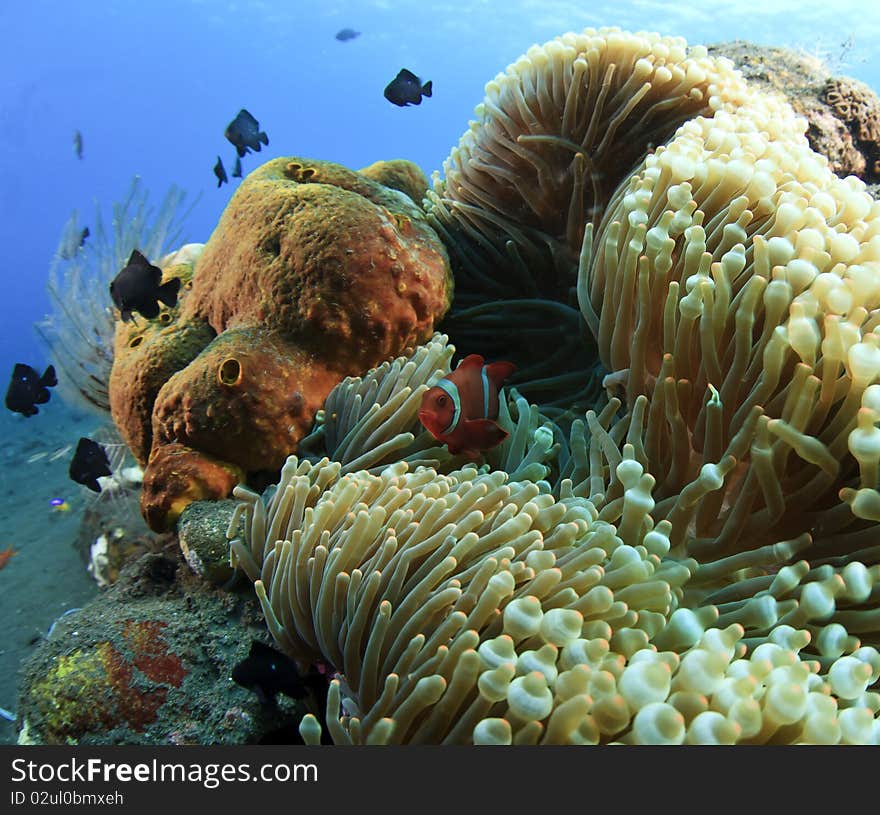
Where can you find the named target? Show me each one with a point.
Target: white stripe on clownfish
(485, 392)
(451, 390)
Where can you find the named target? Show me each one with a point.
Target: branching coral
(79, 333)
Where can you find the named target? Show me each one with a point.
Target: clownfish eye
(441, 400)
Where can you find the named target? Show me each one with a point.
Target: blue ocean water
(151, 84)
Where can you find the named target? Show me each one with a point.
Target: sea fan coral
(79, 332)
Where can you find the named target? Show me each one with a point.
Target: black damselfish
(236, 168)
(244, 133)
(72, 244)
(139, 287)
(345, 34)
(268, 672)
(220, 172)
(407, 89)
(89, 463)
(27, 389)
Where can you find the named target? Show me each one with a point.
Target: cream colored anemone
(556, 133)
(461, 608)
(733, 279)
(420, 588)
(370, 421)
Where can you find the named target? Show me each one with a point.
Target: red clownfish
(460, 410)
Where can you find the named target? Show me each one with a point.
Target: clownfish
(460, 410)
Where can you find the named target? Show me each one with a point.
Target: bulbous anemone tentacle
(557, 133)
(717, 265)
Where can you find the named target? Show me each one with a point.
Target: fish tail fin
(167, 292)
(499, 371)
(263, 137)
(427, 88)
(48, 379)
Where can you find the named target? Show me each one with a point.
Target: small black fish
(347, 34)
(89, 463)
(220, 172)
(139, 285)
(268, 672)
(407, 89)
(78, 144)
(27, 389)
(244, 133)
(236, 169)
(71, 244)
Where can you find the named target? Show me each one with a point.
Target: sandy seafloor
(47, 576)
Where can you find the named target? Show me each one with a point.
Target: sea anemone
(646, 582)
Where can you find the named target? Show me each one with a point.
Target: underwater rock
(843, 113)
(202, 534)
(148, 662)
(112, 533)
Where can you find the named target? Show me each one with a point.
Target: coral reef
(678, 542)
(123, 670)
(857, 106)
(648, 583)
(314, 272)
(843, 114)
